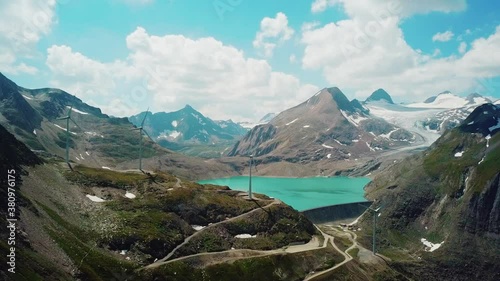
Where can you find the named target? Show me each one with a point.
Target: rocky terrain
(99, 224)
(327, 127)
(440, 216)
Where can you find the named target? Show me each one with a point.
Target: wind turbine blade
(76, 124)
(148, 135)
(368, 208)
(144, 119)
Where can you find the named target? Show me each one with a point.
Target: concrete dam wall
(335, 213)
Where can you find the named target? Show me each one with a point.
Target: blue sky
(240, 59)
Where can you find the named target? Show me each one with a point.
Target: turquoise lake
(301, 193)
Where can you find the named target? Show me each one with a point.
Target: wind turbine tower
(141, 131)
(250, 179)
(376, 213)
(68, 118)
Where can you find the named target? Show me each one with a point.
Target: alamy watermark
(11, 220)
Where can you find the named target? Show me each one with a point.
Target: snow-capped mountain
(187, 125)
(267, 118)
(326, 127)
(430, 118)
(264, 120)
(447, 100)
(380, 95)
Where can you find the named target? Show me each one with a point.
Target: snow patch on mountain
(445, 100)
(95, 198)
(354, 119)
(497, 126)
(64, 129)
(430, 247)
(291, 122)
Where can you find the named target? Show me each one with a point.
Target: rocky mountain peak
(380, 95)
(485, 119)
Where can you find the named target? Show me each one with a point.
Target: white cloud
(22, 25)
(371, 52)
(173, 70)
(321, 5)
(443, 36)
(462, 47)
(293, 58)
(272, 31)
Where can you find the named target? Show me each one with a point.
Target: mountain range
(188, 126)
(97, 140)
(437, 208)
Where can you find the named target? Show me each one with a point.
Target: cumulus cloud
(462, 47)
(22, 24)
(173, 70)
(366, 52)
(272, 31)
(443, 36)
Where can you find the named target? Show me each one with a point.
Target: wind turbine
(250, 196)
(68, 118)
(376, 213)
(141, 130)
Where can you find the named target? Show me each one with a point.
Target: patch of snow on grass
(329, 156)
(107, 168)
(307, 126)
(430, 247)
(198, 227)
(26, 97)
(34, 131)
(129, 195)
(245, 236)
(290, 123)
(482, 160)
(64, 129)
(488, 137)
(459, 154)
(326, 146)
(87, 153)
(95, 198)
(339, 142)
(78, 111)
